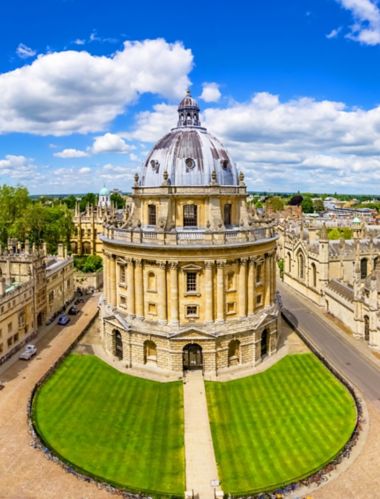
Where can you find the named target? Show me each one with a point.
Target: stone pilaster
(130, 288)
(139, 289)
(173, 292)
(220, 290)
(161, 287)
(209, 292)
(242, 298)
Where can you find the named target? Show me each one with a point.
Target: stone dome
(104, 191)
(189, 154)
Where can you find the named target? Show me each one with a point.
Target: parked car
(28, 352)
(73, 310)
(63, 320)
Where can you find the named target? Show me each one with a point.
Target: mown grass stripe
(282, 423)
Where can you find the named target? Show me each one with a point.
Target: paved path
(24, 471)
(200, 458)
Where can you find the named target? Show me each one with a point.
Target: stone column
(242, 298)
(220, 290)
(139, 289)
(105, 276)
(161, 287)
(250, 286)
(267, 279)
(130, 288)
(113, 280)
(173, 292)
(209, 291)
(273, 289)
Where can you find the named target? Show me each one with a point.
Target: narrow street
(357, 367)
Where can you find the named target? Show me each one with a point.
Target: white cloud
(66, 92)
(334, 33)
(109, 142)
(24, 51)
(71, 153)
(210, 92)
(366, 27)
(84, 170)
(17, 167)
(300, 143)
(79, 41)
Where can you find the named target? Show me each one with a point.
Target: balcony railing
(188, 237)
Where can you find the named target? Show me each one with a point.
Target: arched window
(227, 214)
(152, 281)
(152, 215)
(366, 328)
(363, 268)
(289, 262)
(86, 248)
(150, 352)
(301, 265)
(234, 353)
(314, 275)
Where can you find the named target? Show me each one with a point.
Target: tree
(118, 200)
(274, 203)
(90, 263)
(13, 200)
(318, 205)
(307, 205)
(89, 198)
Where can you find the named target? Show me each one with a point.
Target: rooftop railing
(184, 237)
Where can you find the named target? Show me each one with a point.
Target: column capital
(161, 265)
(209, 264)
(173, 265)
(138, 262)
(221, 263)
(243, 261)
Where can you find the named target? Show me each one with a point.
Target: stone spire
(324, 235)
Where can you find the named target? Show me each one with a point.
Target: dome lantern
(188, 111)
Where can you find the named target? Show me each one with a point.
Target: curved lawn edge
(317, 474)
(39, 442)
(85, 474)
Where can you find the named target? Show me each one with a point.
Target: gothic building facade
(341, 276)
(190, 275)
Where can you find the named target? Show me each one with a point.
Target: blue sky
(291, 88)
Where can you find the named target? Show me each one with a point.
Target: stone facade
(34, 287)
(341, 276)
(189, 278)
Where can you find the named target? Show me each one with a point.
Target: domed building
(104, 198)
(190, 276)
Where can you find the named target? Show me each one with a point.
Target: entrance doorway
(117, 344)
(264, 342)
(192, 357)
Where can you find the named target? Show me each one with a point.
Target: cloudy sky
(291, 88)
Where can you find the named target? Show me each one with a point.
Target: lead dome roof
(189, 154)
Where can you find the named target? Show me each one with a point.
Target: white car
(28, 353)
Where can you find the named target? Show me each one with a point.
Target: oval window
(190, 163)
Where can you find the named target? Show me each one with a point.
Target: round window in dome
(190, 164)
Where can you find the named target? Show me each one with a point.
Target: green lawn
(274, 427)
(124, 429)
